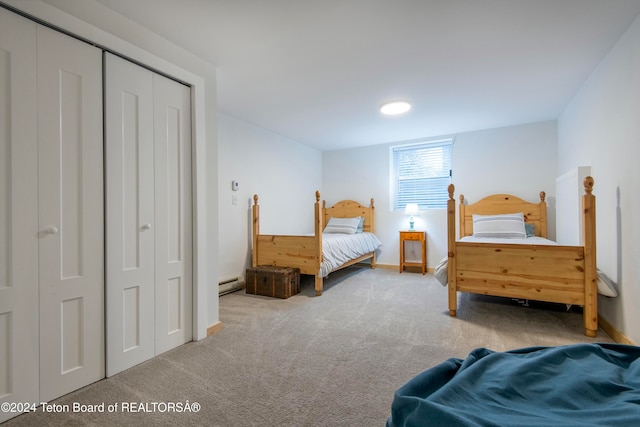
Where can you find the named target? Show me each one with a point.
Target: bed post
(317, 229)
(373, 230)
(590, 274)
(256, 230)
(463, 228)
(543, 214)
(451, 243)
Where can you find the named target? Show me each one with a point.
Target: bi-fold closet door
(51, 213)
(148, 222)
(19, 357)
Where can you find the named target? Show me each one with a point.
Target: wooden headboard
(350, 209)
(534, 213)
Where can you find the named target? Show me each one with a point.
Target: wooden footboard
(294, 251)
(560, 274)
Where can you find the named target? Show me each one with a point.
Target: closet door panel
(172, 150)
(130, 214)
(18, 212)
(70, 192)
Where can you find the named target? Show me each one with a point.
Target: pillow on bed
(342, 225)
(505, 226)
(530, 229)
(360, 228)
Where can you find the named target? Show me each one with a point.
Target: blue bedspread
(574, 385)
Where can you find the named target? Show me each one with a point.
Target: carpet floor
(334, 360)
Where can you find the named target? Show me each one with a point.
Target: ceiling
(316, 71)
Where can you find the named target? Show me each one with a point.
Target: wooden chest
(278, 282)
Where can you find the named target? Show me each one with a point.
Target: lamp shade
(411, 209)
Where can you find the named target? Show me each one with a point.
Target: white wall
(601, 128)
(92, 21)
(283, 173)
(520, 160)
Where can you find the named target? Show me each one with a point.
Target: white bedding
(535, 240)
(605, 285)
(338, 249)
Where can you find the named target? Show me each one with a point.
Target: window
(421, 174)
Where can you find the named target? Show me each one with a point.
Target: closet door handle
(52, 229)
(146, 227)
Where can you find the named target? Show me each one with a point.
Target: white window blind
(421, 174)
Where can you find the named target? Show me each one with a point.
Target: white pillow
(505, 226)
(342, 225)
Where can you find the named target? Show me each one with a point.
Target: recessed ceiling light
(395, 108)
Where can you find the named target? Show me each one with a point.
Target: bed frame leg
(590, 320)
(453, 298)
(318, 283)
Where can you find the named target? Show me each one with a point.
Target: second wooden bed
(305, 252)
(550, 273)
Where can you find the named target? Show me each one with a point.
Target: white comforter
(340, 248)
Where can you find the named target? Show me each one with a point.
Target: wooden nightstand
(420, 236)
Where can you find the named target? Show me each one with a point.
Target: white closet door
(70, 192)
(130, 214)
(172, 150)
(18, 212)
(149, 236)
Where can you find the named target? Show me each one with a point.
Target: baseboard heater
(230, 285)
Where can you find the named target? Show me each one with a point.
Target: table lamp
(410, 210)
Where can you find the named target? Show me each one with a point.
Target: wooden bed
(550, 273)
(305, 252)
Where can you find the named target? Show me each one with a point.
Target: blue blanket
(575, 385)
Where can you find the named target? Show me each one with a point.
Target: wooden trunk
(277, 282)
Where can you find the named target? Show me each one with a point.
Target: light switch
(235, 186)
(234, 200)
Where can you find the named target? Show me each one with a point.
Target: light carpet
(334, 360)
